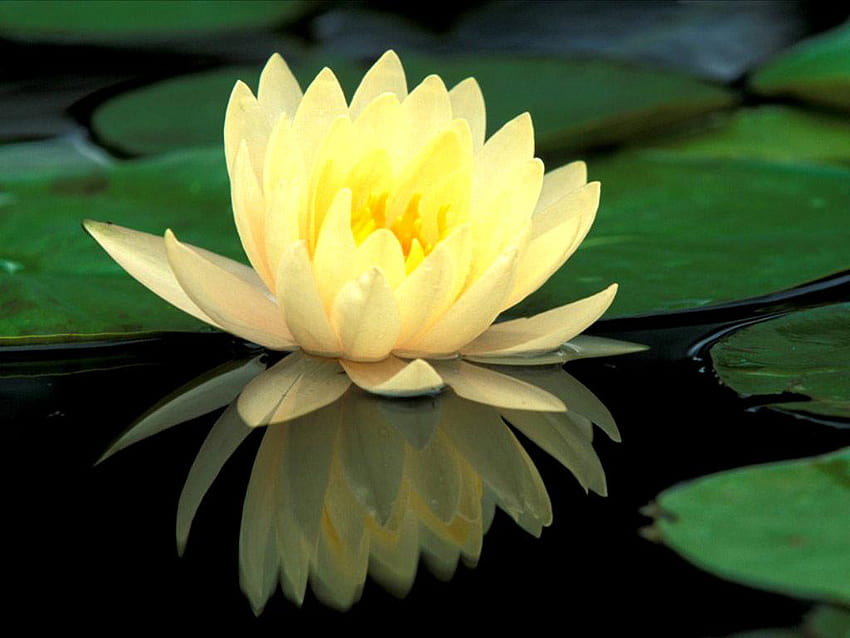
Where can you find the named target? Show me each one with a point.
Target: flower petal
(494, 388)
(393, 377)
(366, 317)
(246, 121)
(474, 310)
(543, 332)
(385, 76)
(231, 294)
(512, 143)
(468, 104)
(322, 103)
(335, 249)
(249, 208)
(279, 92)
(222, 441)
(426, 111)
(144, 257)
(296, 385)
(561, 181)
(298, 295)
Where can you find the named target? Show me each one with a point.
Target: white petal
(393, 377)
(144, 257)
(543, 332)
(494, 388)
(296, 385)
(561, 181)
(299, 297)
(385, 76)
(468, 104)
(279, 92)
(366, 317)
(229, 293)
(249, 212)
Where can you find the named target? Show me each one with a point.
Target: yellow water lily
(385, 236)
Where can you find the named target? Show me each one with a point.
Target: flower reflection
(368, 484)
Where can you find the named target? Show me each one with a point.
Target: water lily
(385, 236)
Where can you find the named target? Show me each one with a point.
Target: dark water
(96, 544)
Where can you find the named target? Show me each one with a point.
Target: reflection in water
(369, 484)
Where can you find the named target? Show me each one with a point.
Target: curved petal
(543, 332)
(562, 180)
(245, 121)
(393, 377)
(473, 312)
(366, 317)
(494, 388)
(279, 92)
(298, 295)
(235, 299)
(426, 111)
(468, 104)
(144, 257)
(512, 143)
(249, 213)
(296, 385)
(335, 249)
(322, 103)
(385, 76)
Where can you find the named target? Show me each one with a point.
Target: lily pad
(574, 104)
(186, 110)
(775, 133)
(815, 70)
(56, 283)
(63, 156)
(680, 233)
(116, 20)
(805, 352)
(781, 527)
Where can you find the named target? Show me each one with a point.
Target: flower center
(416, 235)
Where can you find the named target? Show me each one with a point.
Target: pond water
(94, 544)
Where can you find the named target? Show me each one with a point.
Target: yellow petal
(335, 249)
(512, 143)
(393, 377)
(551, 246)
(279, 92)
(224, 438)
(425, 112)
(229, 293)
(468, 104)
(246, 121)
(296, 385)
(298, 295)
(366, 317)
(144, 256)
(381, 249)
(322, 103)
(473, 312)
(431, 289)
(494, 388)
(385, 76)
(249, 211)
(543, 332)
(561, 181)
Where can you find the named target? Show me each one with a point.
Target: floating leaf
(805, 352)
(781, 527)
(768, 132)
(116, 20)
(183, 111)
(575, 104)
(62, 156)
(816, 70)
(679, 232)
(56, 281)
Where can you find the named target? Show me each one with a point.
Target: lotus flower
(385, 236)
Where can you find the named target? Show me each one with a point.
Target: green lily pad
(577, 104)
(805, 352)
(116, 20)
(775, 133)
(679, 232)
(574, 104)
(816, 70)
(62, 156)
(186, 110)
(58, 284)
(782, 527)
